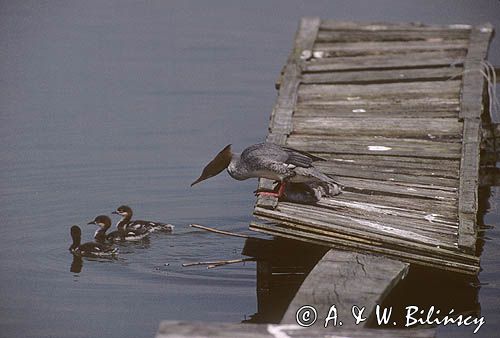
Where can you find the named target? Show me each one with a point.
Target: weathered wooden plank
(314, 237)
(193, 329)
(428, 128)
(348, 91)
(360, 101)
(287, 95)
(423, 59)
(471, 110)
(281, 121)
(419, 177)
(368, 208)
(351, 35)
(469, 167)
(302, 110)
(352, 276)
(386, 27)
(327, 49)
(305, 37)
(462, 262)
(446, 209)
(381, 76)
(394, 162)
(376, 220)
(371, 146)
(357, 229)
(281, 118)
(346, 167)
(391, 188)
(467, 232)
(473, 81)
(386, 104)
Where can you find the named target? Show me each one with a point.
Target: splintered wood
(395, 109)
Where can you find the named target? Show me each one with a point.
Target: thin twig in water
(214, 264)
(211, 266)
(222, 232)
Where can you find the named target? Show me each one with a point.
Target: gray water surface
(110, 102)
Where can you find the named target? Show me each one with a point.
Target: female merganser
(126, 213)
(271, 161)
(122, 234)
(89, 249)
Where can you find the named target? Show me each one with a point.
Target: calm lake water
(110, 102)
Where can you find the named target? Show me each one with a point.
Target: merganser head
(219, 163)
(103, 221)
(123, 210)
(76, 236)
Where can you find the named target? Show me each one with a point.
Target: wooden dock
(397, 110)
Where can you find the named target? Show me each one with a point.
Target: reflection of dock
(398, 112)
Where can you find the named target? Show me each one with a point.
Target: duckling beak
(219, 163)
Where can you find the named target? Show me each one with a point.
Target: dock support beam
(345, 279)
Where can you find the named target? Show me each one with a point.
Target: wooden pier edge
(280, 125)
(189, 329)
(471, 109)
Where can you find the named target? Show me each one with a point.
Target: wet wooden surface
(180, 329)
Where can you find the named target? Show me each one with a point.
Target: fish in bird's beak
(219, 163)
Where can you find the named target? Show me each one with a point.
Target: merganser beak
(219, 163)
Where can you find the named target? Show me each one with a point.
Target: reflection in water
(282, 266)
(126, 247)
(76, 264)
(426, 287)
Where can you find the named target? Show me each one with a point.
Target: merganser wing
(271, 154)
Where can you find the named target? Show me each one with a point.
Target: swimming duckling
(126, 212)
(121, 234)
(89, 249)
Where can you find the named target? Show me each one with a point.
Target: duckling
(126, 212)
(122, 234)
(89, 249)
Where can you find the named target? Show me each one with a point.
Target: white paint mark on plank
(306, 54)
(277, 331)
(379, 148)
(318, 54)
(359, 111)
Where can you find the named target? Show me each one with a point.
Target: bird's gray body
(274, 162)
